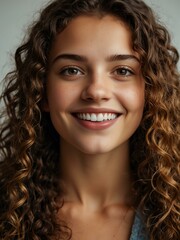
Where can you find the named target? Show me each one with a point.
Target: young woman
(89, 143)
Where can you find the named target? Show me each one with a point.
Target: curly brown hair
(29, 149)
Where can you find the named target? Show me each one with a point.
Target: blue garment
(138, 229)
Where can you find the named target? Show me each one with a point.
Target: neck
(96, 180)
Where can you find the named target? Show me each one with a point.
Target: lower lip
(96, 125)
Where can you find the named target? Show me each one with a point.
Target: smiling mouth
(96, 117)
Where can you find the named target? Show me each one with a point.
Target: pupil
(123, 71)
(72, 71)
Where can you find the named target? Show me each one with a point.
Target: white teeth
(100, 117)
(88, 117)
(84, 116)
(105, 116)
(93, 117)
(97, 117)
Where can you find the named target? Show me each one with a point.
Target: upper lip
(96, 110)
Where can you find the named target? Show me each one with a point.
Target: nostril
(96, 96)
(89, 98)
(96, 92)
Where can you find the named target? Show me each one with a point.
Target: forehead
(107, 34)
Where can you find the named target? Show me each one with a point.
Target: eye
(123, 71)
(71, 71)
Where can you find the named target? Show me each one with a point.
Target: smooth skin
(93, 69)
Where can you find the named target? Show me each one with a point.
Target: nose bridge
(97, 87)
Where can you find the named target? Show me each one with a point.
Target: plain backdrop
(16, 15)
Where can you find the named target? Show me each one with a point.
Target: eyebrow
(80, 58)
(120, 57)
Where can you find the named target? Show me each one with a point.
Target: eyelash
(64, 71)
(124, 71)
(128, 72)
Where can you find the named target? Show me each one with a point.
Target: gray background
(16, 15)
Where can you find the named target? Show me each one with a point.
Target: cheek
(132, 97)
(135, 100)
(60, 96)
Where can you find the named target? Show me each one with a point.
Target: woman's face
(95, 90)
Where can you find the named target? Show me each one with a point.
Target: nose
(97, 89)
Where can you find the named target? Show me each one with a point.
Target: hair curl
(28, 175)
